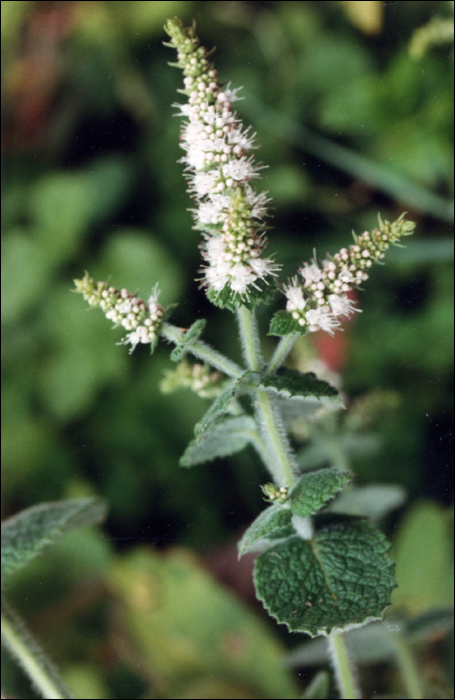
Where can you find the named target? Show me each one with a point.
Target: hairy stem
(281, 456)
(343, 667)
(30, 656)
(203, 352)
(249, 337)
(281, 461)
(282, 350)
(261, 448)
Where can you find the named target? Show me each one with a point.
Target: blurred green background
(353, 106)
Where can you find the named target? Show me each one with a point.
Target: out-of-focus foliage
(194, 634)
(423, 553)
(350, 123)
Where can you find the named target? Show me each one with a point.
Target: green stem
(282, 350)
(343, 667)
(203, 352)
(408, 669)
(281, 458)
(261, 448)
(250, 338)
(30, 656)
(281, 461)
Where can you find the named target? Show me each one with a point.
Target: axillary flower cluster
(229, 212)
(142, 320)
(322, 298)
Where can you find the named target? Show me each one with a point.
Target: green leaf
(318, 688)
(225, 438)
(373, 501)
(27, 533)
(218, 408)
(314, 489)
(188, 338)
(282, 323)
(344, 576)
(273, 523)
(227, 299)
(292, 383)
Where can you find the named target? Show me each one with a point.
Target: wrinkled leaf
(291, 383)
(344, 576)
(227, 299)
(314, 489)
(282, 323)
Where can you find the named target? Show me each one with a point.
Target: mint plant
(318, 572)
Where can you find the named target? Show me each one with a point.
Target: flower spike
(319, 302)
(219, 171)
(142, 320)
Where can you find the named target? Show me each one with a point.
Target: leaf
(292, 383)
(314, 489)
(343, 577)
(227, 299)
(282, 323)
(218, 408)
(273, 523)
(188, 338)
(349, 445)
(225, 438)
(27, 533)
(373, 501)
(319, 687)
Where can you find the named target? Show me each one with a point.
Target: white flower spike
(320, 300)
(142, 320)
(219, 171)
